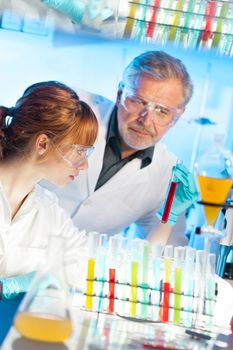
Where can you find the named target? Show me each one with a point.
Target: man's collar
(113, 138)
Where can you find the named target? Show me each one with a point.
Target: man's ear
(118, 100)
(182, 111)
(42, 144)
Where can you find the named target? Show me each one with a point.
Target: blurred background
(41, 41)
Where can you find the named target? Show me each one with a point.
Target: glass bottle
(44, 314)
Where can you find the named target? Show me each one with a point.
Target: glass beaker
(214, 177)
(44, 314)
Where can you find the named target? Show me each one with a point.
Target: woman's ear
(42, 144)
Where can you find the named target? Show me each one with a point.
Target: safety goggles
(76, 154)
(161, 114)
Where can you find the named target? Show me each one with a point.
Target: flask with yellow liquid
(215, 180)
(44, 313)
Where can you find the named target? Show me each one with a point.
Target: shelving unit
(202, 24)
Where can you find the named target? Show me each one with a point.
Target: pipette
(170, 197)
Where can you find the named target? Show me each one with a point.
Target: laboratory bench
(96, 331)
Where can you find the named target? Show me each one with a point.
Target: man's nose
(145, 116)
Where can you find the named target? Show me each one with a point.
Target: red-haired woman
(48, 134)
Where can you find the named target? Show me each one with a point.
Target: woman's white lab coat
(23, 241)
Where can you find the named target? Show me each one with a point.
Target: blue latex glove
(186, 193)
(12, 286)
(72, 8)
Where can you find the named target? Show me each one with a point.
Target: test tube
(199, 288)
(152, 20)
(130, 20)
(178, 267)
(144, 284)
(134, 277)
(210, 290)
(114, 244)
(188, 286)
(168, 253)
(156, 291)
(100, 270)
(123, 276)
(93, 241)
(170, 197)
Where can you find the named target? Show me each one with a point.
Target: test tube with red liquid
(169, 201)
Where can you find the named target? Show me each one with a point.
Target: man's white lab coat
(132, 195)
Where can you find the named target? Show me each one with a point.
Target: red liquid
(166, 297)
(111, 290)
(151, 25)
(169, 201)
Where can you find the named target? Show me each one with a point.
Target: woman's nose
(83, 165)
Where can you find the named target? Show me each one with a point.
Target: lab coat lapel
(130, 175)
(96, 160)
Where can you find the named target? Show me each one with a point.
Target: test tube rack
(140, 283)
(202, 24)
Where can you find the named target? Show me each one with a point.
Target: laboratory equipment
(44, 314)
(143, 281)
(214, 178)
(170, 197)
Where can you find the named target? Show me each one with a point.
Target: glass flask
(44, 314)
(214, 172)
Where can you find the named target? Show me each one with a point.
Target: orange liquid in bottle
(214, 191)
(43, 327)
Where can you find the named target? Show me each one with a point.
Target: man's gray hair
(160, 66)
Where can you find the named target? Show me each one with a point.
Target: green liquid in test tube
(134, 277)
(220, 22)
(175, 20)
(178, 267)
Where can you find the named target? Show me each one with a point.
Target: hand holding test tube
(181, 194)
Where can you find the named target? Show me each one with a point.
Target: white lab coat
(23, 241)
(132, 195)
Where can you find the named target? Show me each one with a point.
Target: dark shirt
(112, 161)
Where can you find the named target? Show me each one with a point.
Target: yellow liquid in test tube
(90, 283)
(43, 327)
(214, 191)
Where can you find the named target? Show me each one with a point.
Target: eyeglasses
(76, 154)
(162, 115)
